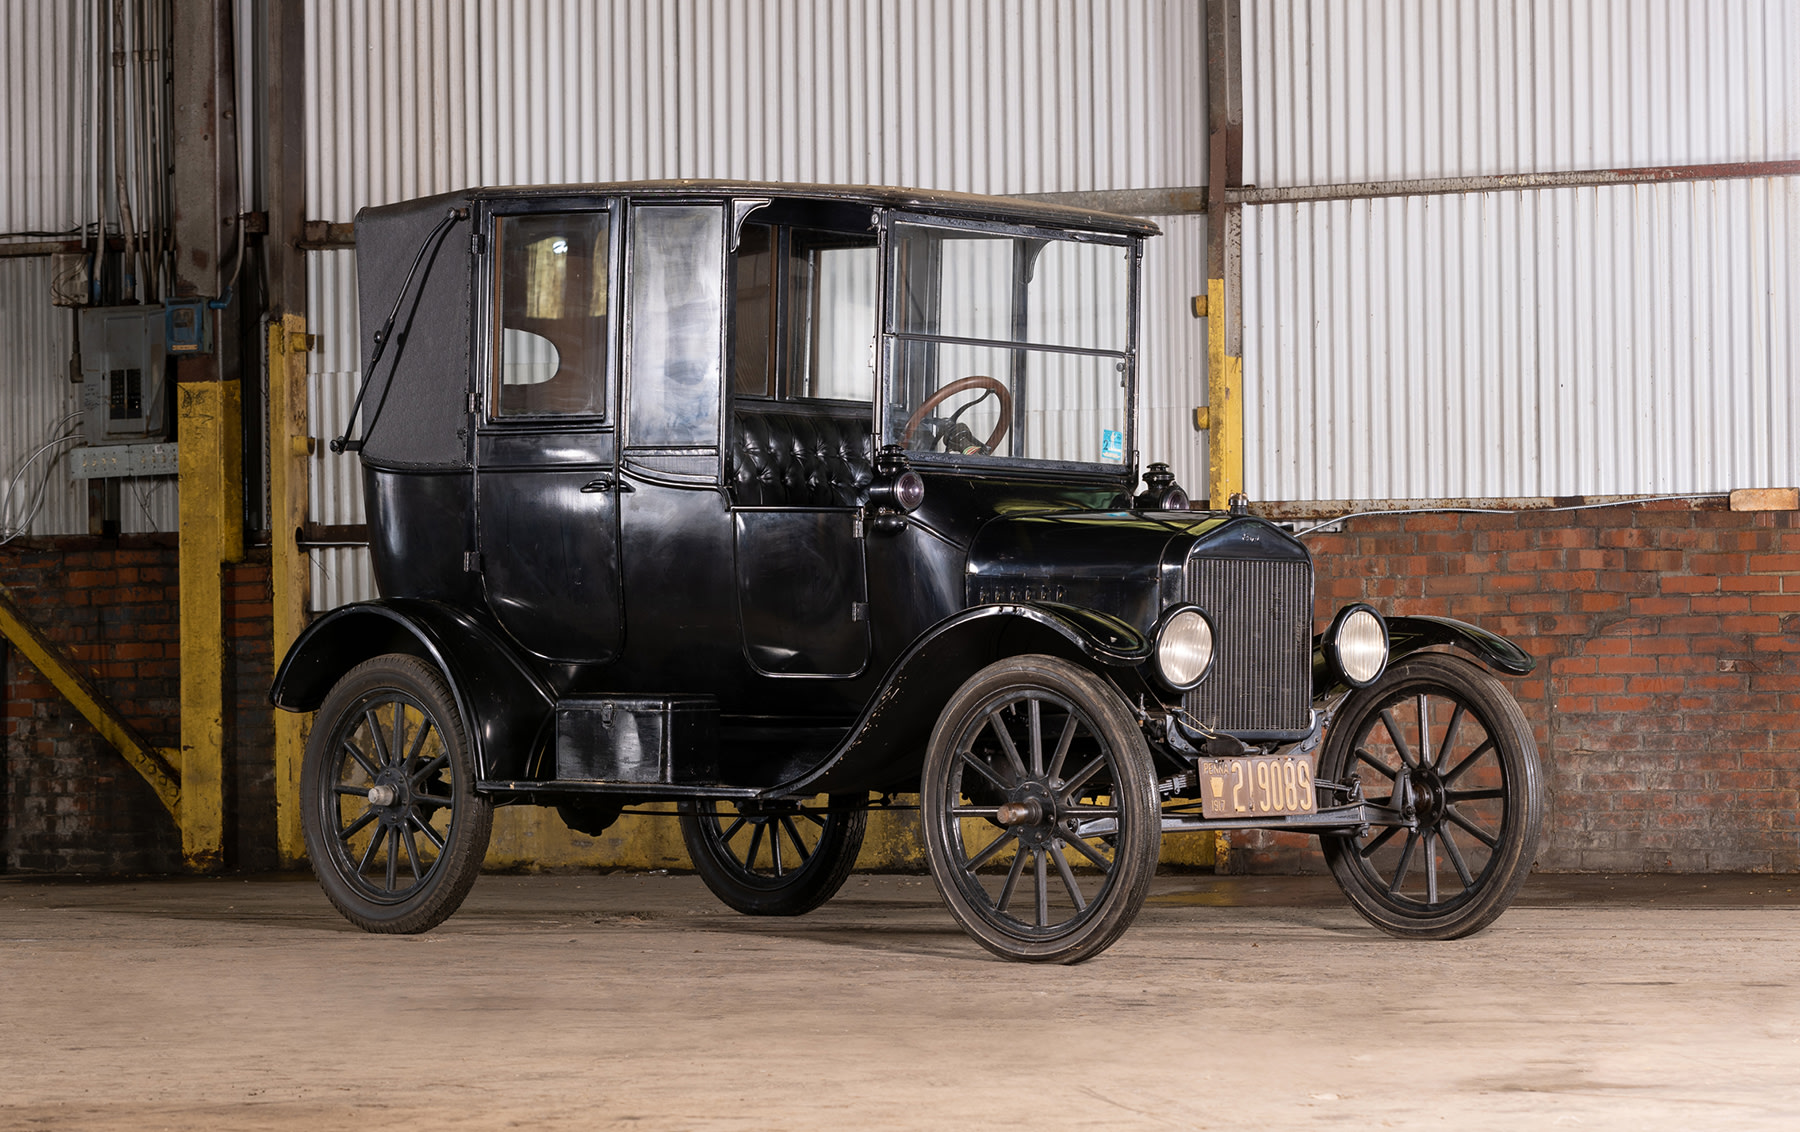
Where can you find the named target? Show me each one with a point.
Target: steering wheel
(963, 385)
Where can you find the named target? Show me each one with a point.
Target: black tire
(405, 864)
(1038, 769)
(1442, 737)
(774, 858)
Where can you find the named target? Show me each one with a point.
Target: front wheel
(1441, 746)
(393, 825)
(1040, 810)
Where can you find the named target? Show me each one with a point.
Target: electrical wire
(10, 531)
(1501, 510)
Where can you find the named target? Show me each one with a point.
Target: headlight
(1184, 648)
(1358, 645)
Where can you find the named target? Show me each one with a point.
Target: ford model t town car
(783, 502)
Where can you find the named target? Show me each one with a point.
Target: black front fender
(1412, 634)
(885, 750)
(504, 704)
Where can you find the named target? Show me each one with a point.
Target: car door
(800, 456)
(546, 455)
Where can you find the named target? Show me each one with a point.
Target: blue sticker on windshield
(1112, 446)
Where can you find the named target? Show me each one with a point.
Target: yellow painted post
(211, 507)
(1225, 405)
(290, 572)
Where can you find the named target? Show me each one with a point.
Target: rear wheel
(393, 825)
(1440, 742)
(774, 858)
(1040, 810)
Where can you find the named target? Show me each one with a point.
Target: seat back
(788, 458)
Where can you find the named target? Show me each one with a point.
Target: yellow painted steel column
(212, 534)
(290, 451)
(1224, 403)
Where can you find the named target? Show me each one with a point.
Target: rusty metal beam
(1223, 309)
(289, 449)
(1188, 201)
(1513, 182)
(208, 409)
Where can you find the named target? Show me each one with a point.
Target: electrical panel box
(124, 368)
(189, 329)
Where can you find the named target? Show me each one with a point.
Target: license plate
(1257, 786)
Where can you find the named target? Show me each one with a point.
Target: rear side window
(553, 303)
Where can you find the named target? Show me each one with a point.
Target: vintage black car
(783, 502)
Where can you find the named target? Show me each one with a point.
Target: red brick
(1701, 603)
(1771, 603)
(1596, 684)
(1752, 583)
(1717, 564)
(1689, 584)
(1509, 583)
(1430, 522)
(1775, 563)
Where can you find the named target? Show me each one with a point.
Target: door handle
(605, 483)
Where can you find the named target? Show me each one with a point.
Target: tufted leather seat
(788, 459)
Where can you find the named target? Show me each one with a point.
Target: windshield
(1009, 343)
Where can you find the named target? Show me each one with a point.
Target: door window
(553, 293)
(677, 286)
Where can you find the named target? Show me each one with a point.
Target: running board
(645, 791)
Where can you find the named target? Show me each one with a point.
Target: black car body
(783, 501)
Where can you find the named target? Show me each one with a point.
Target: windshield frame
(890, 339)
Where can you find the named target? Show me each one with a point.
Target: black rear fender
(506, 707)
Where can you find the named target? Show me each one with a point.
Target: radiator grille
(1262, 618)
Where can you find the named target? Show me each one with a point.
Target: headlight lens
(1362, 645)
(1184, 649)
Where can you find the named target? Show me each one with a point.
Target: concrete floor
(636, 1000)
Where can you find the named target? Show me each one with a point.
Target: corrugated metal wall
(1619, 340)
(45, 137)
(43, 102)
(1001, 96)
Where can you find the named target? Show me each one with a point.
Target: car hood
(1126, 563)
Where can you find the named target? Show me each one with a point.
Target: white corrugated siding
(998, 96)
(41, 404)
(41, 108)
(46, 141)
(1620, 340)
(1623, 340)
(1345, 91)
(43, 116)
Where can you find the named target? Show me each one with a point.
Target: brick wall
(1666, 701)
(71, 803)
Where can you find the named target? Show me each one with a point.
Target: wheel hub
(1427, 796)
(1030, 813)
(390, 793)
